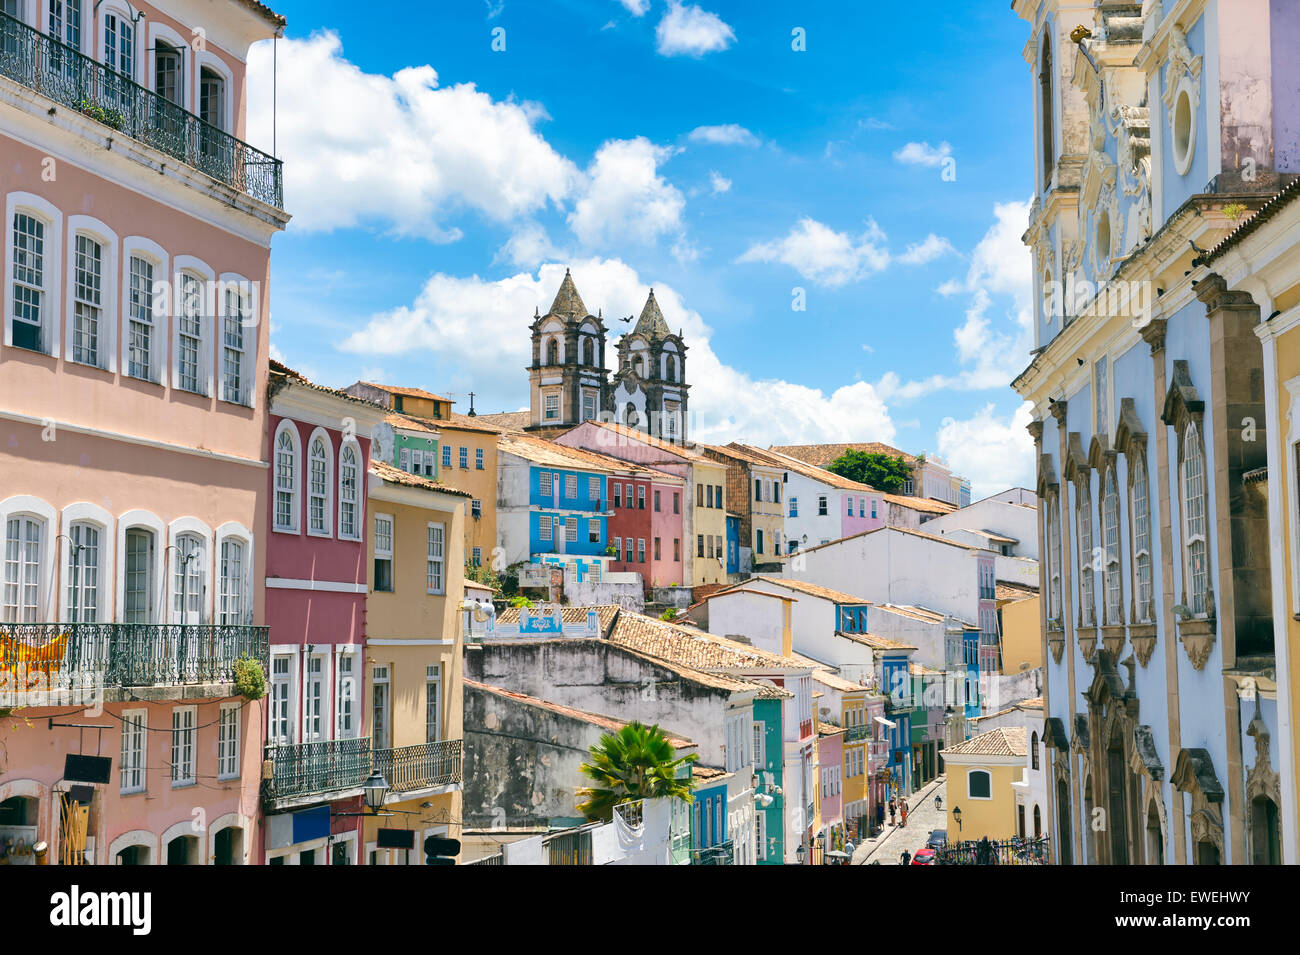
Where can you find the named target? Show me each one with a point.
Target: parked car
(938, 839)
(923, 857)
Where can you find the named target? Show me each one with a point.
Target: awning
(890, 723)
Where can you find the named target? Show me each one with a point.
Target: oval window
(1184, 131)
(1103, 242)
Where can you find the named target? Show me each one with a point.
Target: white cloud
(994, 452)
(625, 198)
(719, 182)
(687, 29)
(529, 246)
(872, 123)
(637, 8)
(927, 250)
(363, 147)
(728, 134)
(923, 154)
(993, 342)
(471, 322)
(830, 258)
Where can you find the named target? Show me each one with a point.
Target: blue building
(553, 503)
(895, 680)
(733, 544)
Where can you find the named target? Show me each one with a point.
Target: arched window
(188, 578)
(318, 509)
(137, 594)
(88, 306)
(169, 75)
(979, 784)
(1194, 537)
(630, 415)
(1110, 538)
(286, 479)
(670, 368)
(552, 352)
(65, 21)
(588, 351)
(83, 572)
(231, 610)
(1033, 753)
(32, 284)
(1046, 108)
(349, 492)
(638, 365)
(1141, 522)
(1038, 822)
(1083, 515)
(24, 538)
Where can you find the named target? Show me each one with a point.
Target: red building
(316, 585)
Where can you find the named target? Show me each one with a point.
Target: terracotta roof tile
(507, 420)
(392, 475)
(1003, 741)
(281, 373)
(693, 648)
(686, 454)
(605, 614)
(823, 455)
(541, 451)
(406, 392)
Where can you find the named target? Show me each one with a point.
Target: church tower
(649, 389)
(568, 380)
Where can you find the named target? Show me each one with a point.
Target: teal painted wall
(769, 713)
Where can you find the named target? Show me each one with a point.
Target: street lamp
(376, 788)
(799, 854)
(956, 815)
(938, 804)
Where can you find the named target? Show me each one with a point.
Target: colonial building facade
(1151, 429)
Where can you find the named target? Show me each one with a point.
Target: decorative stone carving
(1261, 781)
(1179, 63)
(1112, 639)
(1197, 637)
(1194, 774)
(1144, 641)
(1056, 643)
(1087, 642)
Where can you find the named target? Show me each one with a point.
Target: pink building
(645, 525)
(133, 477)
(316, 584)
(830, 785)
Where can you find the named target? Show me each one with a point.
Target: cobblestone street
(922, 817)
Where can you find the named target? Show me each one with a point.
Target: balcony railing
(87, 657)
(632, 813)
(319, 768)
(420, 767)
(570, 847)
(67, 76)
(855, 734)
(721, 854)
(878, 750)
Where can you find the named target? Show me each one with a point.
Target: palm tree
(637, 762)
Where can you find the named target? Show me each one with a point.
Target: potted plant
(250, 680)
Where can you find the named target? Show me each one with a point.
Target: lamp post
(376, 789)
(956, 816)
(938, 804)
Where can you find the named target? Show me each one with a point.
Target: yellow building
(981, 799)
(469, 461)
(1022, 629)
(414, 667)
(709, 520)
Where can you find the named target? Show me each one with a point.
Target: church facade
(569, 382)
(1162, 131)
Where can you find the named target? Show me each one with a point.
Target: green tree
(637, 762)
(884, 472)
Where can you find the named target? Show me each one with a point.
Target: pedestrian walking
(906, 857)
(892, 812)
(904, 813)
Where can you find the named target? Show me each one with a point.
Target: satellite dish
(382, 441)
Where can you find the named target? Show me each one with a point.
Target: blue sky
(440, 186)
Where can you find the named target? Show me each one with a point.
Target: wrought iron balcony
(410, 768)
(304, 770)
(37, 658)
(722, 854)
(856, 734)
(67, 76)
